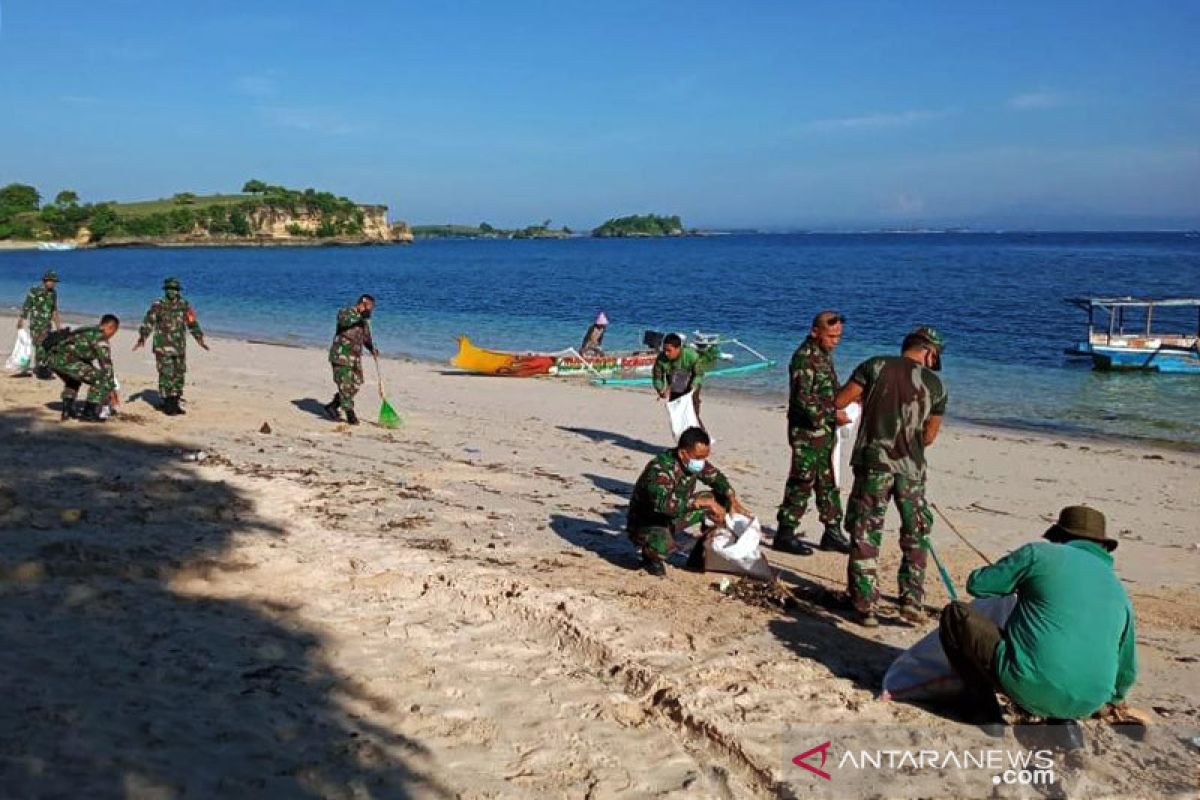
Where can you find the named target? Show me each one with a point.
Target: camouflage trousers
(811, 472)
(38, 336)
(172, 368)
(75, 373)
(864, 522)
(348, 378)
(656, 541)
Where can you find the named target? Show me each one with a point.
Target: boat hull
(526, 365)
(1133, 359)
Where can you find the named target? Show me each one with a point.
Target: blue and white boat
(1127, 341)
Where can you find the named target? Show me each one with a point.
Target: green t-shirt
(1069, 645)
(899, 397)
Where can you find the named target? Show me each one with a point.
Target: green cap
(172, 283)
(50, 275)
(924, 334)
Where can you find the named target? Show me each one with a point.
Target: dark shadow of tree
(117, 685)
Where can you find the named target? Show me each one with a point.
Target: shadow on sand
(117, 683)
(312, 406)
(618, 439)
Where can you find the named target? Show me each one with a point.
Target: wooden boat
(563, 363)
(1112, 348)
(714, 352)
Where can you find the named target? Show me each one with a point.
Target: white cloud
(311, 120)
(256, 85)
(901, 119)
(1032, 101)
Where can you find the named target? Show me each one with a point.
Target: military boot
(175, 404)
(43, 373)
(786, 541)
(833, 540)
(351, 417)
(91, 412)
(170, 406)
(68, 410)
(331, 409)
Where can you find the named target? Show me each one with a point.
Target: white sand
(449, 609)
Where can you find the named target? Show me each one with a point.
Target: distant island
(640, 225)
(486, 231)
(261, 214)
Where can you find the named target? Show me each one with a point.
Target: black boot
(351, 417)
(786, 541)
(43, 373)
(654, 566)
(833, 540)
(331, 410)
(175, 405)
(695, 562)
(68, 410)
(170, 407)
(91, 412)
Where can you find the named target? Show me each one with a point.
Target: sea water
(997, 299)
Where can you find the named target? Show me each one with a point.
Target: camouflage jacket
(170, 321)
(39, 308)
(899, 397)
(85, 346)
(814, 383)
(662, 493)
(681, 375)
(352, 336)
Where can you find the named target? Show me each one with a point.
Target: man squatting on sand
(812, 424)
(903, 402)
(663, 505)
(352, 336)
(170, 318)
(1068, 647)
(82, 356)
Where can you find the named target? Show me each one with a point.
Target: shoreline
(747, 398)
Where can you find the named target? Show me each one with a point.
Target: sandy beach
(250, 600)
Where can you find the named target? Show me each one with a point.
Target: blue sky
(807, 114)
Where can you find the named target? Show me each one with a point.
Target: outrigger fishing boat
(1112, 348)
(630, 368)
(562, 363)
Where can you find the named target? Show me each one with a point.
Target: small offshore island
(634, 226)
(262, 214)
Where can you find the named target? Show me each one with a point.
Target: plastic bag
(682, 412)
(735, 549)
(844, 433)
(922, 672)
(22, 352)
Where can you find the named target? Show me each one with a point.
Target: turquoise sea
(998, 299)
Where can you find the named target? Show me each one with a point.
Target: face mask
(695, 465)
(366, 314)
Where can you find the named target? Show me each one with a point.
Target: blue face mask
(695, 465)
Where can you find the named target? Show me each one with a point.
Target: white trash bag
(22, 352)
(922, 672)
(682, 412)
(735, 549)
(844, 432)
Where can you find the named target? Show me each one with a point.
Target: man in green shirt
(1068, 647)
(677, 371)
(903, 402)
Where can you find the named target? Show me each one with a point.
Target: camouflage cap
(926, 335)
(172, 283)
(50, 275)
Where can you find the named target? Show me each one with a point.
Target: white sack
(22, 352)
(735, 549)
(682, 412)
(922, 672)
(844, 432)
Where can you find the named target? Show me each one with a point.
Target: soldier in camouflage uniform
(353, 335)
(903, 403)
(678, 370)
(170, 319)
(82, 356)
(812, 431)
(40, 313)
(662, 504)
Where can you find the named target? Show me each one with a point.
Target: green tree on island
(641, 225)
